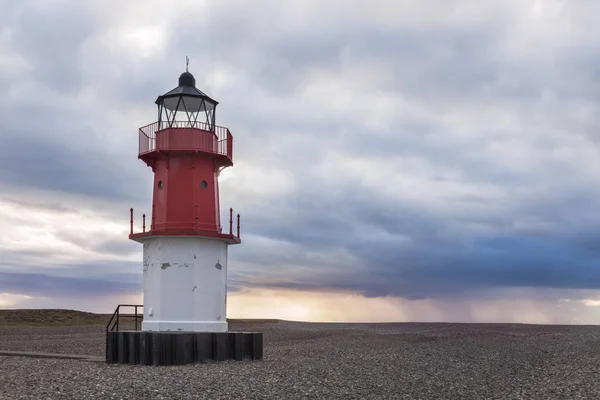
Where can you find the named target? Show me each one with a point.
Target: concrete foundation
(179, 348)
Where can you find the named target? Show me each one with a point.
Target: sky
(394, 160)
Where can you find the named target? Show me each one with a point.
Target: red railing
(131, 222)
(219, 141)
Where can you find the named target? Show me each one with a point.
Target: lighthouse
(185, 249)
(185, 245)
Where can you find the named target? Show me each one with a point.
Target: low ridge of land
(51, 317)
(60, 317)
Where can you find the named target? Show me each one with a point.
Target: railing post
(231, 221)
(229, 144)
(131, 221)
(152, 222)
(118, 311)
(135, 317)
(143, 222)
(238, 225)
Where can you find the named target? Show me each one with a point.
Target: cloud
(52, 286)
(422, 151)
(10, 300)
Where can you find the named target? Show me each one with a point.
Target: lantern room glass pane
(192, 104)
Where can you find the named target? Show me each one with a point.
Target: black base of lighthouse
(180, 348)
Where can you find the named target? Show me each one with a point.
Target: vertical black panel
(112, 348)
(123, 344)
(247, 346)
(156, 347)
(108, 357)
(145, 348)
(190, 344)
(230, 344)
(204, 347)
(178, 349)
(239, 346)
(174, 341)
(163, 348)
(168, 348)
(221, 346)
(199, 350)
(134, 348)
(184, 352)
(257, 346)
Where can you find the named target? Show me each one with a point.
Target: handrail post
(238, 226)
(231, 221)
(135, 317)
(131, 221)
(229, 144)
(152, 226)
(118, 312)
(143, 222)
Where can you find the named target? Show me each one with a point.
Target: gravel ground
(326, 361)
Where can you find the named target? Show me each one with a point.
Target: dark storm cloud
(443, 272)
(406, 251)
(467, 242)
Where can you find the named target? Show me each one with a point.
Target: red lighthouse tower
(186, 152)
(185, 249)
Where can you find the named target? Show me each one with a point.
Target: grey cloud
(71, 279)
(38, 205)
(98, 242)
(50, 38)
(118, 247)
(49, 165)
(32, 284)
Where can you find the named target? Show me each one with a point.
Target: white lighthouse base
(185, 284)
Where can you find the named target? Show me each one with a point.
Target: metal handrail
(195, 228)
(117, 315)
(222, 145)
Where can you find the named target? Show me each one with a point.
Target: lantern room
(186, 106)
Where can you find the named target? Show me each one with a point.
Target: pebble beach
(325, 361)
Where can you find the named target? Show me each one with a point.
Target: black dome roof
(187, 79)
